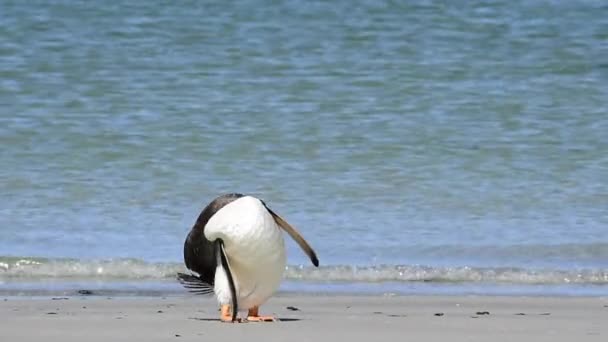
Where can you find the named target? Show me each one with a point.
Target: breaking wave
(26, 269)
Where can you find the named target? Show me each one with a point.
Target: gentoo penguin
(236, 250)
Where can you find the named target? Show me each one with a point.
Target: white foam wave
(388, 273)
(134, 269)
(71, 268)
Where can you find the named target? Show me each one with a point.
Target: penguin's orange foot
(261, 319)
(253, 316)
(226, 315)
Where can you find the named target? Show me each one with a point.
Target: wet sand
(307, 318)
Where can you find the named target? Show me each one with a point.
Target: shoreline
(99, 295)
(155, 288)
(307, 317)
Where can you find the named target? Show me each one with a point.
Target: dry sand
(310, 318)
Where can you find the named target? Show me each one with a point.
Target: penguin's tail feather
(195, 284)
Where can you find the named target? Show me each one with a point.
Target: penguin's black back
(199, 253)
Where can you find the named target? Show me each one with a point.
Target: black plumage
(200, 253)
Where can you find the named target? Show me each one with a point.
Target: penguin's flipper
(221, 258)
(295, 234)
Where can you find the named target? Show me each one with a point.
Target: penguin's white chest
(255, 250)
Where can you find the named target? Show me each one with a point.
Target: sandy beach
(307, 318)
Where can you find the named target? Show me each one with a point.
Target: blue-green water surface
(409, 141)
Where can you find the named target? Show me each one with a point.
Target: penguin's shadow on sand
(279, 320)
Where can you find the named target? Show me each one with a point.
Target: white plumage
(236, 250)
(255, 250)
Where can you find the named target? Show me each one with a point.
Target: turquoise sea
(420, 146)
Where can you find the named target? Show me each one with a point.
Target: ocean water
(419, 146)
